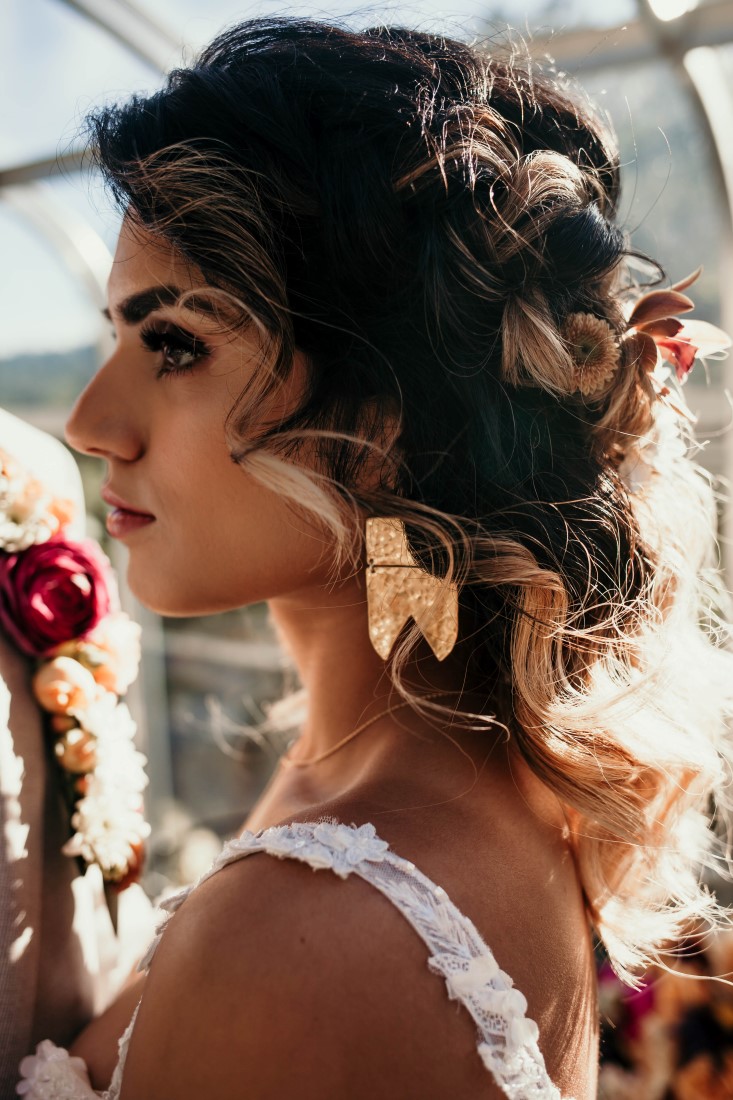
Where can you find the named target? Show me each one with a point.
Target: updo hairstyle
(433, 228)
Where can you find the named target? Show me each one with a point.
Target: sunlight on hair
(434, 273)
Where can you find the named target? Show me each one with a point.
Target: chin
(160, 596)
(176, 599)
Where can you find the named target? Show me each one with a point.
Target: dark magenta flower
(53, 592)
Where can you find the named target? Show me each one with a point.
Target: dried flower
(595, 352)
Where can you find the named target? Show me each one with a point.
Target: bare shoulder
(275, 980)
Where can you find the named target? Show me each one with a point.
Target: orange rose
(63, 685)
(77, 751)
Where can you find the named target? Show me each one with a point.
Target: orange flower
(76, 751)
(63, 685)
(62, 509)
(111, 651)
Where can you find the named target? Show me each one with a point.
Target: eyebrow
(136, 308)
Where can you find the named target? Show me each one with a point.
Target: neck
(326, 633)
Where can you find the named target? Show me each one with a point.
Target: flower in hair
(594, 350)
(660, 337)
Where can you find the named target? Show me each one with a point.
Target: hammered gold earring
(399, 589)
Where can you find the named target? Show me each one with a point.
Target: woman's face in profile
(156, 412)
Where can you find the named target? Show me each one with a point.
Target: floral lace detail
(51, 1074)
(499, 1010)
(507, 1040)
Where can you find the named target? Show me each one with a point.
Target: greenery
(47, 380)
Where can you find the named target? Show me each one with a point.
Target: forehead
(144, 259)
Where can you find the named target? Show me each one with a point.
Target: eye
(180, 350)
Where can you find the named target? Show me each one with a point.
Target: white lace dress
(506, 1038)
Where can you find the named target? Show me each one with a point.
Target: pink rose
(53, 592)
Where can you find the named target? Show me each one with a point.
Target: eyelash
(173, 342)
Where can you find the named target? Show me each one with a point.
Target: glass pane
(50, 326)
(56, 64)
(85, 196)
(671, 203)
(563, 15)
(461, 17)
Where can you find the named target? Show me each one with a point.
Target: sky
(55, 65)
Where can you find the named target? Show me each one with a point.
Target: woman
(374, 366)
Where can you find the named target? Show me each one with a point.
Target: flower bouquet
(59, 606)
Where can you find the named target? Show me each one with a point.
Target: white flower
(356, 844)
(506, 1062)
(106, 717)
(120, 767)
(479, 972)
(108, 821)
(522, 1032)
(506, 1002)
(25, 519)
(15, 537)
(276, 841)
(109, 827)
(50, 1064)
(320, 856)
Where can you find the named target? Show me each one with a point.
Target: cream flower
(26, 518)
(522, 1032)
(356, 844)
(479, 972)
(51, 1065)
(108, 830)
(106, 717)
(120, 766)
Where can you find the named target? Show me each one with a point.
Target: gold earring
(398, 588)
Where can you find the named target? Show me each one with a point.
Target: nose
(102, 422)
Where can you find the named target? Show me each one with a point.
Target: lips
(125, 518)
(117, 502)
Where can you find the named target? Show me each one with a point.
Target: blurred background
(663, 69)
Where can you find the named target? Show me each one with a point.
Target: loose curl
(419, 220)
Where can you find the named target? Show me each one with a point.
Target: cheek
(224, 541)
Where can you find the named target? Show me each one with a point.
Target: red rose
(52, 593)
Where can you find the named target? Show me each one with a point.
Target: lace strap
(507, 1038)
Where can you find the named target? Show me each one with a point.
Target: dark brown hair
(421, 220)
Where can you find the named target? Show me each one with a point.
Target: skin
(435, 793)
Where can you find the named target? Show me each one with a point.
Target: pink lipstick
(123, 519)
